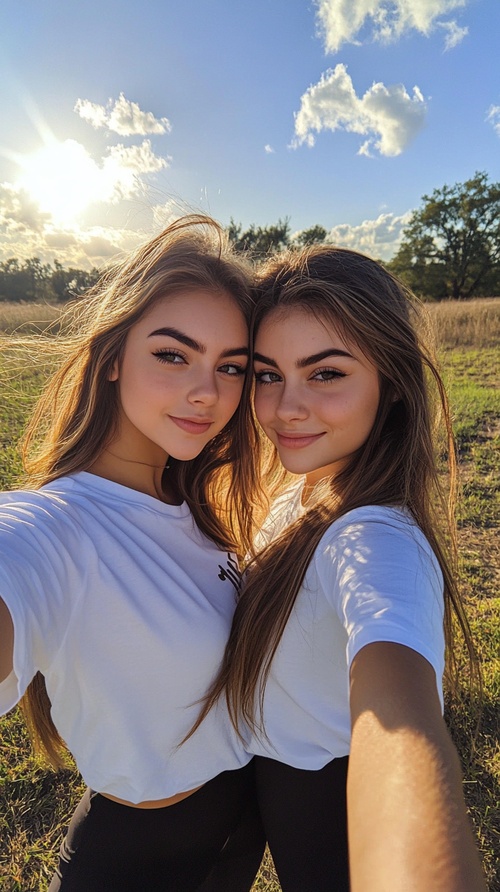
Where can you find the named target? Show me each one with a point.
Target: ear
(114, 372)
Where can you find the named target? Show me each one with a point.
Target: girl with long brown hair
(333, 670)
(118, 562)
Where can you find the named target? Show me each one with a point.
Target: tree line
(33, 280)
(450, 249)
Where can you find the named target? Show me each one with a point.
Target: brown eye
(169, 356)
(325, 375)
(267, 377)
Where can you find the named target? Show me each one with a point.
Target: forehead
(297, 323)
(289, 335)
(195, 307)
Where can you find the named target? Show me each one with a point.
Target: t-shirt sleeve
(31, 565)
(384, 581)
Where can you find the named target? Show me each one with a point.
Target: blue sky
(117, 116)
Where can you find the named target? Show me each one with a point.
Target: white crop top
(373, 577)
(125, 607)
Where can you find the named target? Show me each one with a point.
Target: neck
(137, 475)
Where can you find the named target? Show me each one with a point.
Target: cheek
(231, 396)
(261, 407)
(369, 407)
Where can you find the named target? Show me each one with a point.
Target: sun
(62, 178)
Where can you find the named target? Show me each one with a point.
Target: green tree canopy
(315, 234)
(31, 280)
(260, 241)
(451, 246)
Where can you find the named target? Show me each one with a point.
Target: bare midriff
(154, 803)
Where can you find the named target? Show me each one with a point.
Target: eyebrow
(308, 360)
(191, 343)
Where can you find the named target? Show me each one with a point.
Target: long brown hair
(77, 413)
(400, 464)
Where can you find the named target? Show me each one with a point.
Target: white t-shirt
(373, 577)
(125, 607)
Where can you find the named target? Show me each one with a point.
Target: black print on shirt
(231, 571)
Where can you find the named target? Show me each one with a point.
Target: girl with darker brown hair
(333, 670)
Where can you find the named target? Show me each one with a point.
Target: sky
(117, 117)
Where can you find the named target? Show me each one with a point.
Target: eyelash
(165, 356)
(238, 369)
(334, 375)
(259, 378)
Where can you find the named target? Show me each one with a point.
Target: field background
(35, 803)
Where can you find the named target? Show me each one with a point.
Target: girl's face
(180, 377)
(316, 397)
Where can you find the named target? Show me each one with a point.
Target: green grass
(35, 803)
(473, 380)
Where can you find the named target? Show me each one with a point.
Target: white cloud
(166, 213)
(62, 190)
(63, 179)
(93, 114)
(41, 214)
(454, 34)
(378, 238)
(73, 246)
(494, 116)
(387, 115)
(123, 168)
(19, 212)
(60, 240)
(341, 21)
(123, 117)
(269, 150)
(102, 244)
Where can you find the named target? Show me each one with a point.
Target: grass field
(35, 803)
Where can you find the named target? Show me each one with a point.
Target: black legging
(304, 814)
(111, 847)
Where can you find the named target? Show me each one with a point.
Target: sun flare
(62, 178)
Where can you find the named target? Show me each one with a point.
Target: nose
(291, 407)
(204, 390)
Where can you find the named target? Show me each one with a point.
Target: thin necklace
(136, 461)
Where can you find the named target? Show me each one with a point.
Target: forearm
(408, 827)
(6, 641)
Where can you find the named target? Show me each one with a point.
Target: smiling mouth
(190, 425)
(297, 441)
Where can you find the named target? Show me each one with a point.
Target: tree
(260, 241)
(23, 282)
(34, 281)
(315, 234)
(451, 246)
(69, 283)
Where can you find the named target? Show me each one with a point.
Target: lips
(296, 440)
(190, 425)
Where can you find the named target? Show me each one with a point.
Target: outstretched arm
(408, 826)
(6, 641)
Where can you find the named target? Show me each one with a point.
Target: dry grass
(27, 318)
(473, 323)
